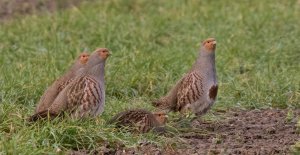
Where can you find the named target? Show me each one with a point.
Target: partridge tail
(42, 115)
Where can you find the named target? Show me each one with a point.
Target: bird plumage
(197, 90)
(85, 95)
(58, 85)
(139, 120)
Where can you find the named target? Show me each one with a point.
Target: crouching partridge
(52, 91)
(140, 120)
(84, 96)
(197, 90)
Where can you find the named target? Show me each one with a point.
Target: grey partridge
(52, 91)
(197, 90)
(139, 120)
(85, 95)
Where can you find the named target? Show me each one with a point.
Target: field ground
(234, 132)
(154, 43)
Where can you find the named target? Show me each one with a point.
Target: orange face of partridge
(103, 53)
(210, 44)
(161, 117)
(84, 57)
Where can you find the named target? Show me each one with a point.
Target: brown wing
(190, 90)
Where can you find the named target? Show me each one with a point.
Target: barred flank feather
(190, 90)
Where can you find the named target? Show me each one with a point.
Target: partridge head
(97, 57)
(84, 57)
(161, 117)
(78, 65)
(209, 45)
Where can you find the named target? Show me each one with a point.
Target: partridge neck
(75, 66)
(97, 71)
(94, 67)
(205, 60)
(72, 70)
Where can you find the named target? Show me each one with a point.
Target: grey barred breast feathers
(84, 96)
(197, 90)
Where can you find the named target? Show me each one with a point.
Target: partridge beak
(214, 42)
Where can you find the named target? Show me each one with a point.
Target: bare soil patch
(245, 132)
(13, 8)
(267, 131)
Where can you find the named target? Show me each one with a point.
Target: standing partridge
(140, 120)
(197, 90)
(85, 95)
(51, 92)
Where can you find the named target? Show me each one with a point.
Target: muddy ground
(13, 8)
(257, 132)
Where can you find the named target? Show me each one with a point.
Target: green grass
(153, 45)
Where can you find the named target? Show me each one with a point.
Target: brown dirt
(245, 132)
(240, 132)
(13, 8)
